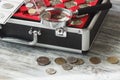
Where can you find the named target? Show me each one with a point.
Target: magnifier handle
(94, 9)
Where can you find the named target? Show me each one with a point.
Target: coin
(2, 15)
(79, 62)
(88, 1)
(84, 5)
(51, 71)
(95, 60)
(43, 60)
(46, 15)
(113, 60)
(32, 11)
(60, 61)
(54, 2)
(70, 4)
(67, 66)
(7, 6)
(72, 60)
(29, 5)
(76, 22)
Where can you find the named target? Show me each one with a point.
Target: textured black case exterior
(47, 36)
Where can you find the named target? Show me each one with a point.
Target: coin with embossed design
(7, 6)
(113, 60)
(42, 60)
(95, 60)
(60, 61)
(51, 71)
(67, 66)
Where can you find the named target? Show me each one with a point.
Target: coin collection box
(73, 31)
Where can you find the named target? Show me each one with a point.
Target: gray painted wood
(18, 62)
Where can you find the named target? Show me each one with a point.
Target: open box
(77, 39)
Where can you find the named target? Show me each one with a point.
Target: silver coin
(2, 15)
(54, 2)
(84, 5)
(70, 4)
(72, 60)
(29, 5)
(67, 66)
(51, 71)
(88, 1)
(7, 6)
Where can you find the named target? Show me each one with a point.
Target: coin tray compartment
(22, 13)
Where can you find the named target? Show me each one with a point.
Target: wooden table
(18, 62)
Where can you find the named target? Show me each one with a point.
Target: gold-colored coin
(113, 60)
(60, 61)
(95, 60)
(32, 11)
(79, 62)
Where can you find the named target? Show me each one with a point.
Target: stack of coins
(72, 60)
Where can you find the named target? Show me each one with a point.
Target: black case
(36, 34)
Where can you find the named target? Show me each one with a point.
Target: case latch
(61, 32)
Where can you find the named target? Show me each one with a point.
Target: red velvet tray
(23, 14)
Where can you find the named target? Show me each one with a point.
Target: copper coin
(70, 4)
(7, 6)
(60, 61)
(51, 71)
(67, 66)
(95, 60)
(113, 60)
(43, 61)
(72, 60)
(79, 62)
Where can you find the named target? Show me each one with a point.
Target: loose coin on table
(54, 2)
(7, 6)
(79, 62)
(43, 61)
(67, 66)
(95, 60)
(51, 71)
(113, 60)
(72, 60)
(60, 61)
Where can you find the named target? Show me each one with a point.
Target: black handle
(95, 9)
